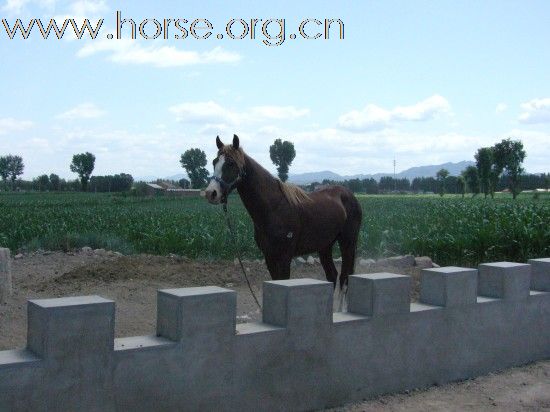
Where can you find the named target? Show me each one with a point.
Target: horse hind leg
(348, 245)
(328, 265)
(332, 276)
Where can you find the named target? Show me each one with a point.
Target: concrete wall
(301, 357)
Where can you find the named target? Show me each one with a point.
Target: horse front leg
(278, 266)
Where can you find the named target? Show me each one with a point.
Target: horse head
(228, 171)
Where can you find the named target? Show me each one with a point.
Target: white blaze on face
(219, 166)
(213, 185)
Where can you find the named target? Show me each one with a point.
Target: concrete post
(540, 274)
(5, 275)
(504, 280)
(379, 294)
(297, 303)
(75, 338)
(202, 311)
(202, 320)
(448, 286)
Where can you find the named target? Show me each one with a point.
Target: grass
(451, 230)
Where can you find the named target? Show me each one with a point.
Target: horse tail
(349, 235)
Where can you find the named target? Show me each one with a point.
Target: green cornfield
(451, 230)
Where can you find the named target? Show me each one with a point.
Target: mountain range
(418, 171)
(306, 178)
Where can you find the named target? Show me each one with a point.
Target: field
(451, 230)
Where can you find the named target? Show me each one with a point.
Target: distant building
(169, 189)
(168, 185)
(154, 189)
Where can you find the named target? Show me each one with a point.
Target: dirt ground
(132, 282)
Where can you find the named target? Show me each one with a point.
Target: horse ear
(219, 142)
(235, 141)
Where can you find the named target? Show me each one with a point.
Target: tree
(11, 167)
(509, 155)
(282, 154)
(472, 179)
(184, 183)
(441, 176)
(83, 165)
(370, 185)
(461, 185)
(494, 177)
(194, 162)
(4, 168)
(424, 184)
(484, 162)
(354, 185)
(43, 182)
(111, 183)
(55, 182)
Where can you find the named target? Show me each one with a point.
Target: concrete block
(448, 286)
(67, 328)
(540, 274)
(379, 294)
(192, 312)
(75, 339)
(504, 280)
(297, 303)
(5, 275)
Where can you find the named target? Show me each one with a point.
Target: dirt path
(132, 282)
(518, 389)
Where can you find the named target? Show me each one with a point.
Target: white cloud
(88, 8)
(279, 112)
(75, 8)
(127, 51)
(82, 111)
(156, 151)
(204, 112)
(14, 6)
(218, 117)
(10, 125)
(17, 7)
(501, 107)
(373, 117)
(535, 111)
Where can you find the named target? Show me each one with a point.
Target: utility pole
(394, 180)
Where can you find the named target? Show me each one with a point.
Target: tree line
(453, 185)
(497, 168)
(11, 167)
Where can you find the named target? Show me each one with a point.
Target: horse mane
(294, 194)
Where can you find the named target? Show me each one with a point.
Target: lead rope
(238, 253)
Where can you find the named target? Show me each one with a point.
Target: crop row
(450, 230)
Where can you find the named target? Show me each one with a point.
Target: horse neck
(259, 191)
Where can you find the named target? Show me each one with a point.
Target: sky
(424, 82)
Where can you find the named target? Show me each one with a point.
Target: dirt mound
(179, 270)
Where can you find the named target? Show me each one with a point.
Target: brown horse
(288, 222)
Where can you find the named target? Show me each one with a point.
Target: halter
(228, 186)
(224, 185)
